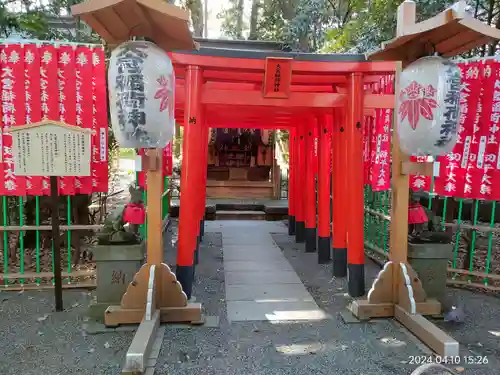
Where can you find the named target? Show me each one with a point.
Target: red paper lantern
(134, 213)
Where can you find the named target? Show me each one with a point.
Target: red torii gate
(322, 94)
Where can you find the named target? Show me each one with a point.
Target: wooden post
(310, 188)
(339, 232)
(292, 142)
(152, 161)
(56, 241)
(324, 156)
(299, 185)
(188, 227)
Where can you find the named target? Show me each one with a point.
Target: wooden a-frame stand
(154, 287)
(397, 291)
(154, 295)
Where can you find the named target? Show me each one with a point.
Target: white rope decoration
(386, 265)
(413, 307)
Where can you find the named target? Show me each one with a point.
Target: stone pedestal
(116, 267)
(430, 262)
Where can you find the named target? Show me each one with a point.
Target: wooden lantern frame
(397, 291)
(155, 295)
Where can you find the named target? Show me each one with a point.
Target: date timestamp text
(448, 360)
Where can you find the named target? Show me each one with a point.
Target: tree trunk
(196, 9)
(489, 21)
(254, 19)
(239, 21)
(493, 46)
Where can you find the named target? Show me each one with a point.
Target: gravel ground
(330, 346)
(35, 340)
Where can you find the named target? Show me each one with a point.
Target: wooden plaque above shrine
(277, 77)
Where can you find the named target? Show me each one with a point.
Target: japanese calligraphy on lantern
(277, 78)
(451, 105)
(50, 148)
(141, 88)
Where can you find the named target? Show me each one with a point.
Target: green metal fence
(473, 225)
(26, 251)
(27, 260)
(166, 201)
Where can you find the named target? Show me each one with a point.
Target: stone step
(240, 215)
(239, 206)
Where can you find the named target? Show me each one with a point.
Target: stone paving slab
(238, 311)
(280, 292)
(262, 278)
(260, 283)
(250, 265)
(259, 250)
(236, 244)
(249, 256)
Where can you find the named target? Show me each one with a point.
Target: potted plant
(429, 249)
(119, 253)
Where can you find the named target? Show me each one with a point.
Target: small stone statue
(114, 231)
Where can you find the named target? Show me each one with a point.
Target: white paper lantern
(141, 83)
(428, 107)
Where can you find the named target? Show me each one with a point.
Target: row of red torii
(324, 98)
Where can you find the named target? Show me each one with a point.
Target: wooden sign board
(277, 78)
(51, 148)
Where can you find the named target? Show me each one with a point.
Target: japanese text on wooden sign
(51, 149)
(277, 78)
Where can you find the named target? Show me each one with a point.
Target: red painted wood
(309, 182)
(300, 175)
(277, 78)
(340, 206)
(191, 169)
(324, 156)
(292, 153)
(354, 166)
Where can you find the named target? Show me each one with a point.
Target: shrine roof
(258, 50)
(254, 45)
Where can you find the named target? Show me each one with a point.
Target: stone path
(260, 283)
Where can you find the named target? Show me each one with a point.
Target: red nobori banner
(99, 122)
(44, 82)
(380, 171)
(367, 131)
(484, 187)
(455, 166)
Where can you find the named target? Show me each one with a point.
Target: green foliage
(232, 20)
(47, 21)
(356, 26)
(375, 22)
